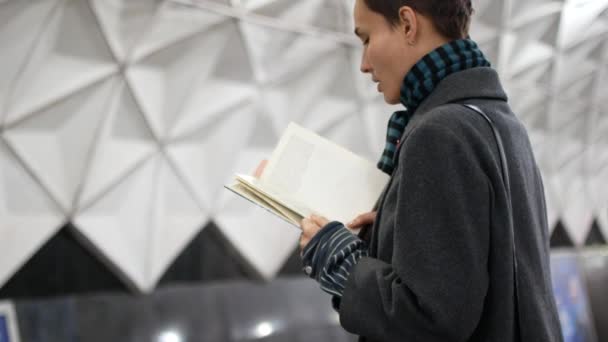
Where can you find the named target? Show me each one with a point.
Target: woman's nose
(365, 66)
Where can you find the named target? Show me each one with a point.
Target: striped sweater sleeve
(330, 255)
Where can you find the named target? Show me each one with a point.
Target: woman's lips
(376, 81)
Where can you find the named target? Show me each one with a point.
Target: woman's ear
(408, 23)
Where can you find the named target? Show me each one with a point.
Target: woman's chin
(391, 100)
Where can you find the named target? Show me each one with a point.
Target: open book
(308, 174)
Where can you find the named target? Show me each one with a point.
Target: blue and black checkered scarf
(420, 82)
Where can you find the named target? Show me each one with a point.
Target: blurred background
(121, 120)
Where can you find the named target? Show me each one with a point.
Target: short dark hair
(452, 18)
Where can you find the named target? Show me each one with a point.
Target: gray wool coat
(440, 265)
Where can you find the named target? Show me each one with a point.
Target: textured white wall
(126, 117)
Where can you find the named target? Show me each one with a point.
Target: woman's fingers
(319, 220)
(309, 229)
(362, 220)
(260, 169)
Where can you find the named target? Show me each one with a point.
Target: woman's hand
(260, 169)
(362, 220)
(310, 227)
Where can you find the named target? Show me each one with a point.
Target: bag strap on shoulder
(507, 184)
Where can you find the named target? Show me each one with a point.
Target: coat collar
(476, 83)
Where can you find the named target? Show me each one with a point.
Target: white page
(266, 203)
(323, 176)
(270, 191)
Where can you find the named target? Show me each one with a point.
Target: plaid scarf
(420, 82)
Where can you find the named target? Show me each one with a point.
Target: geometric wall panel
(375, 114)
(28, 216)
(69, 54)
(57, 141)
(163, 81)
(264, 240)
(123, 141)
(275, 54)
(128, 116)
(328, 15)
(124, 22)
(209, 153)
(579, 21)
(319, 96)
(577, 216)
(143, 223)
(24, 20)
(172, 23)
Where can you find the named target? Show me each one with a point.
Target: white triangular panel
(553, 211)
(597, 188)
(24, 20)
(315, 98)
(525, 12)
(178, 219)
(570, 121)
(376, 114)
(124, 141)
(124, 22)
(482, 33)
(265, 241)
(520, 52)
(56, 142)
(533, 107)
(28, 218)
(365, 87)
(173, 23)
(163, 81)
(324, 14)
(568, 159)
(577, 215)
(209, 153)
(602, 84)
(119, 225)
(350, 132)
(141, 225)
(574, 64)
(491, 50)
(554, 199)
(204, 88)
(209, 101)
(227, 88)
(70, 54)
(490, 13)
(276, 54)
(285, 9)
(577, 16)
(579, 90)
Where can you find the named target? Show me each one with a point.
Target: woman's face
(387, 51)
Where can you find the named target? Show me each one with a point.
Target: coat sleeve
(433, 289)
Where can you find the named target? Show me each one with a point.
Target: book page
(324, 177)
(290, 169)
(266, 203)
(270, 192)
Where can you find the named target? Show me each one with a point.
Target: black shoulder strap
(507, 183)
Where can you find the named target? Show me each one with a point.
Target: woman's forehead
(363, 16)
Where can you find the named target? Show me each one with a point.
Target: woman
(435, 262)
